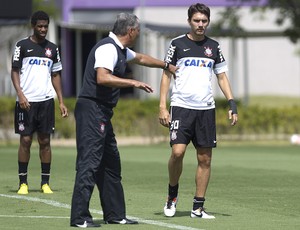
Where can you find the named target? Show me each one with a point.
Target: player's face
(198, 23)
(40, 30)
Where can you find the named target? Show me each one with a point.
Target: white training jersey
(197, 61)
(36, 63)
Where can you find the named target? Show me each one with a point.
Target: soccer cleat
(46, 189)
(23, 189)
(170, 207)
(87, 225)
(200, 213)
(123, 221)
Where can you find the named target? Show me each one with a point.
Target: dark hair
(198, 7)
(123, 22)
(39, 15)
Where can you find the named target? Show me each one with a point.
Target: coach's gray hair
(124, 22)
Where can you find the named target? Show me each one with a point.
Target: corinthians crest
(21, 126)
(173, 135)
(48, 52)
(208, 51)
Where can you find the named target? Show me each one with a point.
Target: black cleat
(123, 221)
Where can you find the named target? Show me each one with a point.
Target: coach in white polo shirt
(98, 159)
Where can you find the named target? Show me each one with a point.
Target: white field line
(67, 206)
(36, 217)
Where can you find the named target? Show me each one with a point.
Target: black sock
(173, 191)
(45, 176)
(23, 167)
(198, 202)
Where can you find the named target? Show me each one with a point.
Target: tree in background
(288, 10)
(50, 6)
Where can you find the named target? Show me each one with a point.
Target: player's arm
(56, 82)
(106, 78)
(164, 116)
(226, 89)
(15, 78)
(146, 60)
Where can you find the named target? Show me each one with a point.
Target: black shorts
(40, 118)
(198, 126)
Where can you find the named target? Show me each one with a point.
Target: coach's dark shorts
(198, 126)
(40, 118)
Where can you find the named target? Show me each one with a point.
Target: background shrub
(134, 117)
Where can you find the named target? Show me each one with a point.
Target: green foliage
(49, 7)
(134, 117)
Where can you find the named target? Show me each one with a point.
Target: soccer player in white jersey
(191, 116)
(35, 72)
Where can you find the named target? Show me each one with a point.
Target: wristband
(166, 67)
(232, 106)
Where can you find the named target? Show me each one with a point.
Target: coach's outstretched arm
(146, 60)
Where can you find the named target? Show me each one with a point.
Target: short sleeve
(130, 54)
(106, 56)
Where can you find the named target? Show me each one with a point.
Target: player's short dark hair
(39, 15)
(198, 7)
(123, 22)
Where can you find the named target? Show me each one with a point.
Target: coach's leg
(90, 146)
(109, 180)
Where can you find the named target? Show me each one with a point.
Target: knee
(204, 161)
(44, 142)
(26, 141)
(177, 155)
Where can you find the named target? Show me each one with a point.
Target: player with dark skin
(40, 30)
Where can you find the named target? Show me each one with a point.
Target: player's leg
(175, 169)
(175, 163)
(181, 131)
(204, 156)
(202, 177)
(24, 126)
(45, 120)
(205, 136)
(45, 154)
(23, 161)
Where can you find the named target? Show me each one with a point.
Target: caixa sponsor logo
(17, 53)
(198, 62)
(35, 61)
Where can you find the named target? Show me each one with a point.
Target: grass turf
(253, 186)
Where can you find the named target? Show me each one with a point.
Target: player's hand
(164, 117)
(63, 110)
(23, 102)
(232, 113)
(232, 117)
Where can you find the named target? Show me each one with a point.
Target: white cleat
(170, 207)
(200, 213)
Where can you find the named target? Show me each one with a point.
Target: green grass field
(253, 186)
